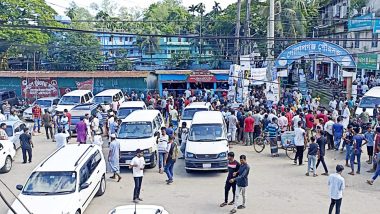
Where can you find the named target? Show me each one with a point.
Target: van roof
(141, 115)
(373, 92)
(132, 104)
(65, 158)
(77, 93)
(108, 92)
(199, 105)
(47, 98)
(207, 117)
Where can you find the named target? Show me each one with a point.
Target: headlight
(223, 155)
(190, 155)
(148, 151)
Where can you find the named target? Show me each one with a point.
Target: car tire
(189, 171)
(7, 165)
(102, 187)
(154, 162)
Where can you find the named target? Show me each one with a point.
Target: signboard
(258, 75)
(288, 139)
(376, 26)
(63, 91)
(361, 23)
(367, 61)
(39, 87)
(306, 48)
(201, 78)
(85, 85)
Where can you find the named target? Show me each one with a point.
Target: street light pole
(270, 39)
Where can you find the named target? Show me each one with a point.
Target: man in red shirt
(321, 115)
(68, 115)
(309, 123)
(249, 123)
(36, 111)
(289, 116)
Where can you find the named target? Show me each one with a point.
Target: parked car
(127, 108)
(73, 98)
(56, 186)
(79, 111)
(140, 209)
(14, 130)
(49, 103)
(7, 153)
(190, 110)
(10, 96)
(106, 97)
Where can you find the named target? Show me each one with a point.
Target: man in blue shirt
(356, 150)
(337, 129)
(369, 138)
(241, 182)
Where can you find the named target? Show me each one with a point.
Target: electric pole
(270, 38)
(237, 33)
(247, 31)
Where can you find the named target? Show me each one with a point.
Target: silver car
(48, 103)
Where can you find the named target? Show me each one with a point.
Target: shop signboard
(34, 88)
(367, 61)
(360, 23)
(85, 85)
(201, 78)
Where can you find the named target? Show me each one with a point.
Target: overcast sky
(60, 5)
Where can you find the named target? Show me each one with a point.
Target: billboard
(36, 87)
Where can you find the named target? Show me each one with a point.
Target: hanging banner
(85, 85)
(34, 88)
(258, 75)
(367, 61)
(361, 23)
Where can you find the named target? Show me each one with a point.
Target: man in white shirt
(346, 115)
(333, 104)
(174, 117)
(300, 142)
(328, 128)
(187, 93)
(137, 165)
(2, 117)
(61, 138)
(336, 186)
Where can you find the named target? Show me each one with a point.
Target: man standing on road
(26, 145)
(232, 125)
(336, 187)
(337, 129)
(36, 111)
(6, 109)
(61, 138)
(300, 142)
(47, 120)
(233, 167)
(170, 158)
(321, 141)
(162, 144)
(329, 133)
(114, 157)
(248, 129)
(241, 182)
(137, 165)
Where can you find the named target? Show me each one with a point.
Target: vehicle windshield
(369, 102)
(135, 130)
(102, 99)
(124, 112)
(50, 183)
(44, 103)
(9, 131)
(69, 100)
(188, 113)
(206, 132)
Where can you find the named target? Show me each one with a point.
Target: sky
(60, 5)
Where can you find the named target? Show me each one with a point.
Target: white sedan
(140, 209)
(48, 103)
(7, 153)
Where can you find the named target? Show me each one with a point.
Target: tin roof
(77, 74)
(188, 72)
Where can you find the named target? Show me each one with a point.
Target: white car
(73, 98)
(190, 110)
(48, 103)
(140, 209)
(65, 182)
(14, 129)
(7, 153)
(127, 108)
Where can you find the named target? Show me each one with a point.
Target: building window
(172, 51)
(131, 51)
(179, 39)
(111, 39)
(375, 39)
(99, 39)
(170, 39)
(357, 41)
(131, 39)
(337, 39)
(121, 39)
(345, 41)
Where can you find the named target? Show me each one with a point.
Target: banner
(376, 26)
(367, 61)
(361, 23)
(258, 75)
(63, 91)
(34, 88)
(85, 85)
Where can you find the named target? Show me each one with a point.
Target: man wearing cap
(137, 165)
(336, 186)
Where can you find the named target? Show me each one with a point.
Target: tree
(192, 9)
(200, 8)
(14, 40)
(216, 8)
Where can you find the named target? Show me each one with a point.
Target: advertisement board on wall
(34, 88)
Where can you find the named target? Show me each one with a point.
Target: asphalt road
(275, 186)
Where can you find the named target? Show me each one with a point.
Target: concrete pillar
(349, 87)
(331, 69)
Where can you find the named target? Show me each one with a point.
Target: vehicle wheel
(7, 165)
(291, 153)
(154, 162)
(224, 171)
(259, 144)
(77, 212)
(188, 171)
(102, 187)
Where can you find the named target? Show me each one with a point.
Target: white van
(127, 108)
(73, 98)
(106, 97)
(191, 109)
(370, 99)
(65, 182)
(207, 146)
(139, 131)
(7, 154)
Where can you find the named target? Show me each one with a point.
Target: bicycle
(260, 142)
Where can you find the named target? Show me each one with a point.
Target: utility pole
(270, 38)
(237, 33)
(247, 31)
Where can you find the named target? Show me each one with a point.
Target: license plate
(127, 162)
(207, 165)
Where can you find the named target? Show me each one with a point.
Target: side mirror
(19, 187)
(84, 186)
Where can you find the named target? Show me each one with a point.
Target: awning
(201, 78)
